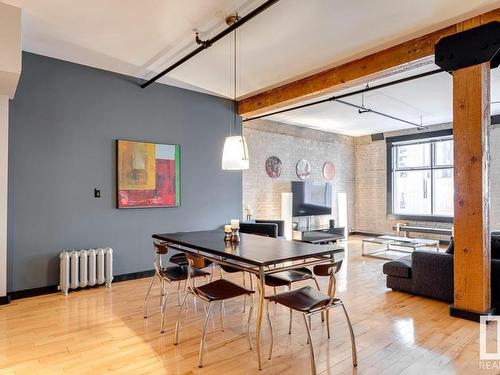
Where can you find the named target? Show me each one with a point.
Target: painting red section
(163, 195)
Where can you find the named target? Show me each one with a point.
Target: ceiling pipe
(363, 109)
(352, 93)
(208, 43)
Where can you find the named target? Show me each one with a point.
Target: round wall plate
(328, 171)
(273, 166)
(303, 169)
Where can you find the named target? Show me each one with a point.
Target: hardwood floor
(103, 331)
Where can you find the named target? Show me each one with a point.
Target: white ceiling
(290, 39)
(426, 99)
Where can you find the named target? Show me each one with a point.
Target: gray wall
(64, 121)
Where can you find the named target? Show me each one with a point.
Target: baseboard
(53, 288)
(469, 315)
(5, 300)
(26, 293)
(133, 276)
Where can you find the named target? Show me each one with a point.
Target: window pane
(412, 192)
(443, 153)
(443, 192)
(411, 156)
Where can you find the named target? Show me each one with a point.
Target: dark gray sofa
(270, 228)
(430, 274)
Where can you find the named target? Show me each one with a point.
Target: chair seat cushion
(287, 277)
(221, 289)
(178, 273)
(398, 268)
(303, 299)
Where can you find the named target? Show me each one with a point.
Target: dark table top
(252, 249)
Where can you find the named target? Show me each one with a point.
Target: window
(420, 176)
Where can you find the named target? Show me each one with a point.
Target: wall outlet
(97, 193)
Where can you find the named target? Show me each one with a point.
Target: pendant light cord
(234, 88)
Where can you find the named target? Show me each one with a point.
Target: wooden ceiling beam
(402, 57)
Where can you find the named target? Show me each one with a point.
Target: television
(311, 198)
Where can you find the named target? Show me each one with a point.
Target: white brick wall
(360, 172)
(291, 143)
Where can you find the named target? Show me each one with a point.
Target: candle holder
(235, 236)
(227, 233)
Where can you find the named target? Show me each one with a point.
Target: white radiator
(81, 268)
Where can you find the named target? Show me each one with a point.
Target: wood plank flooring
(102, 331)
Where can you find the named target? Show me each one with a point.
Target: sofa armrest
(432, 274)
(279, 223)
(263, 229)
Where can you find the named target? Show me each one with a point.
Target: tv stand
(318, 235)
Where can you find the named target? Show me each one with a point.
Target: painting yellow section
(136, 165)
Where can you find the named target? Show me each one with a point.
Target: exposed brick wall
(371, 187)
(291, 143)
(361, 172)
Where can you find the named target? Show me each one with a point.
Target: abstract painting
(148, 174)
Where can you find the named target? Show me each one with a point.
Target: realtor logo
(485, 352)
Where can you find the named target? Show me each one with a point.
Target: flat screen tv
(311, 198)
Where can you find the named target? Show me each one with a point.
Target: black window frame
(404, 138)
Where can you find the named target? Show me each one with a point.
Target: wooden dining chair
(310, 301)
(167, 276)
(211, 292)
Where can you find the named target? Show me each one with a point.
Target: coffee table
(395, 243)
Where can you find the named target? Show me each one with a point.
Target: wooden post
(472, 259)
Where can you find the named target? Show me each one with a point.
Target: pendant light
(235, 152)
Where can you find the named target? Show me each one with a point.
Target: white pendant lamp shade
(235, 153)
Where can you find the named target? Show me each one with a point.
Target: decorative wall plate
(328, 171)
(303, 169)
(273, 166)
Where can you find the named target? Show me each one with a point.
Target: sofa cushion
(399, 268)
(495, 245)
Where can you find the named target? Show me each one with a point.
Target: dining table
(255, 254)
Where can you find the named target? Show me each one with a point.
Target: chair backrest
(160, 248)
(329, 269)
(194, 262)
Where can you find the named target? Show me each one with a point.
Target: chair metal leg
(309, 319)
(311, 346)
(202, 342)
(248, 326)
(291, 314)
(222, 315)
(185, 290)
(163, 311)
(353, 339)
(327, 312)
(271, 333)
(244, 286)
(178, 293)
(317, 286)
(177, 323)
(146, 299)
(212, 273)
